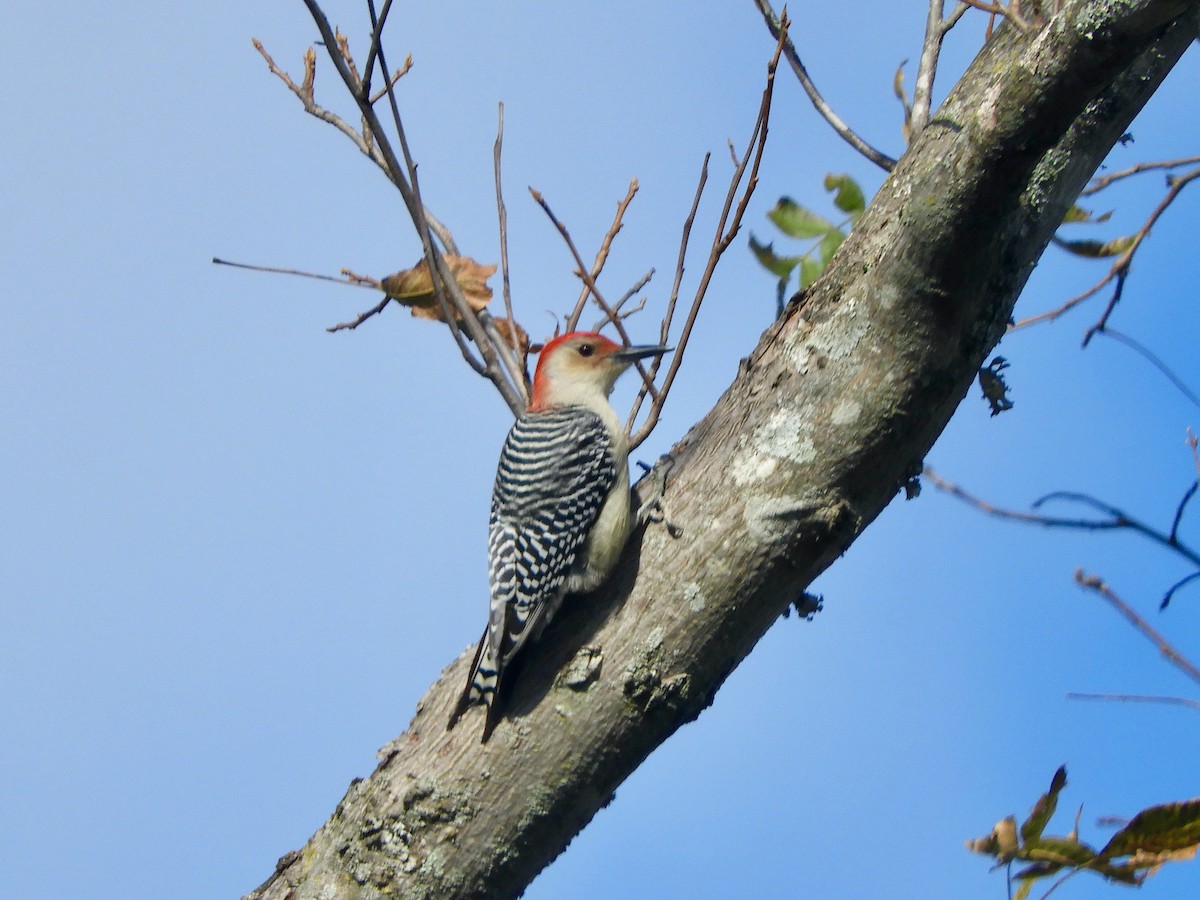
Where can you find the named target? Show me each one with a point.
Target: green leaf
(796, 221)
(829, 244)
(1159, 829)
(1078, 214)
(778, 265)
(1032, 828)
(1099, 249)
(849, 197)
(1058, 851)
(810, 271)
(1036, 871)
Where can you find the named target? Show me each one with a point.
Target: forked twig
(492, 362)
(936, 29)
(602, 256)
(1102, 181)
(1115, 519)
(581, 270)
(727, 229)
(1120, 267)
(304, 91)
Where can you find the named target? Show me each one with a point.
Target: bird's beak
(632, 354)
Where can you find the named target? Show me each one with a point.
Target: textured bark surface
(828, 416)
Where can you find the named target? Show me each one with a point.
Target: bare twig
(1010, 12)
(826, 111)
(727, 229)
(373, 51)
(344, 278)
(1151, 358)
(602, 255)
(453, 305)
(936, 29)
(304, 92)
(609, 314)
(1101, 182)
(502, 214)
(1182, 582)
(1194, 444)
(1095, 583)
(361, 317)
(1136, 698)
(1120, 266)
(1110, 307)
(1116, 519)
(1187, 495)
(391, 82)
(618, 307)
(669, 315)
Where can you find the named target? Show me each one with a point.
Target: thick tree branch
(826, 418)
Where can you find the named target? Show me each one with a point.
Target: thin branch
(1182, 582)
(1187, 495)
(1136, 698)
(1110, 307)
(1009, 12)
(1117, 518)
(624, 314)
(826, 111)
(609, 314)
(1095, 583)
(391, 82)
(936, 29)
(1120, 266)
(1152, 359)
(628, 295)
(502, 215)
(602, 255)
(449, 296)
(344, 278)
(722, 238)
(1101, 182)
(665, 328)
(1055, 313)
(361, 317)
(1194, 444)
(376, 37)
(304, 92)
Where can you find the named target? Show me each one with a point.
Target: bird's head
(577, 368)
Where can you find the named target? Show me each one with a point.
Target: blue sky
(235, 549)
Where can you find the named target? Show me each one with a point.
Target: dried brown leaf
(414, 287)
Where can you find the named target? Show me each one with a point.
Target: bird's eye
(586, 349)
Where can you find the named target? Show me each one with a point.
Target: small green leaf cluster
(825, 236)
(1091, 249)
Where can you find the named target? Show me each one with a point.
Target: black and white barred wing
(555, 471)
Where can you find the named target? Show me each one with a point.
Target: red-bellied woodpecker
(560, 505)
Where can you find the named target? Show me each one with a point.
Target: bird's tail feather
(482, 686)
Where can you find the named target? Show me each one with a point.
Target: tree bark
(829, 415)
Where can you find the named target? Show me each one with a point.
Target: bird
(560, 512)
